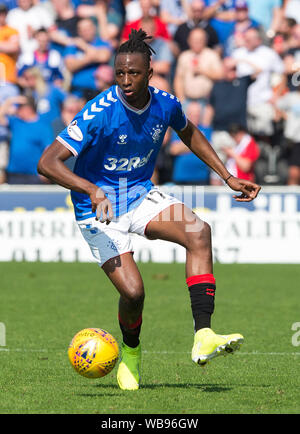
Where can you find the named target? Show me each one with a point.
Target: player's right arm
(51, 165)
(199, 145)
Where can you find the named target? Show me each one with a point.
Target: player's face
(132, 75)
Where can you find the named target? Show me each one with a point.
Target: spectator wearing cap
(243, 22)
(83, 58)
(30, 135)
(9, 48)
(195, 20)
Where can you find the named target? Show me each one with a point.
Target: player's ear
(150, 73)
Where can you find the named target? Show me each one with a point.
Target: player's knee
(135, 297)
(201, 239)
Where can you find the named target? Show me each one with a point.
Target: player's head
(137, 44)
(133, 67)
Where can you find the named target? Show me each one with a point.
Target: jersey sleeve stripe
(67, 145)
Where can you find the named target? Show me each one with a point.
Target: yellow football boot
(208, 345)
(128, 375)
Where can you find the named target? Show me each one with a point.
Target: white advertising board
(267, 232)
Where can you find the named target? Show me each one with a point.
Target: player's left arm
(199, 145)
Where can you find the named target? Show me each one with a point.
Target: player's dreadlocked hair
(136, 44)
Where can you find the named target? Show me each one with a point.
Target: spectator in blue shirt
(221, 14)
(48, 97)
(83, 59)
(47, 59)
(7, 90)
(30, 135)
(243, 22)
(268, 13)
(188, 169)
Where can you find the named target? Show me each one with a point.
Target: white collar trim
(130, 107)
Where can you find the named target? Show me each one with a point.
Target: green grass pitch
(43, 305)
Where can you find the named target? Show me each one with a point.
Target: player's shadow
(209, 388)
(203, 387)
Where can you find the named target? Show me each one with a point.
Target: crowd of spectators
(234, 65)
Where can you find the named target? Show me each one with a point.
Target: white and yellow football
(93, 352)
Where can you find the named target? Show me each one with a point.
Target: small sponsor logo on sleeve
(74, 131)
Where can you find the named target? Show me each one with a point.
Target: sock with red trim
(202, 289)
(131, 332)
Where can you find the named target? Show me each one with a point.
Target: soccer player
(116, 138)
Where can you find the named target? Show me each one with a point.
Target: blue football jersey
(116, 146)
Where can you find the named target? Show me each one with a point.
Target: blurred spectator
(234, 89)
(254, 56)
(27, 18)
(268, 13)
(47, 96)
(133, 10)
(7, 90)
(85, 56)
(109, 20)
(289, 107)
(283, 38)
(173, 13)
(48, 60)
(292, 9)
(30, 135)
(196, 20)
(243, 22)
(242, 157)
(9, 48)
(71, 106)
(10, 4)
(292, 58)
(221, 14)
(189, 169)
(160, 83)
(197, 68)
(147, 11)
(104, 77)
(162, 59)
(65, 25)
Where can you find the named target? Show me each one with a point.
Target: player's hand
(102, 206)
(248, 189)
